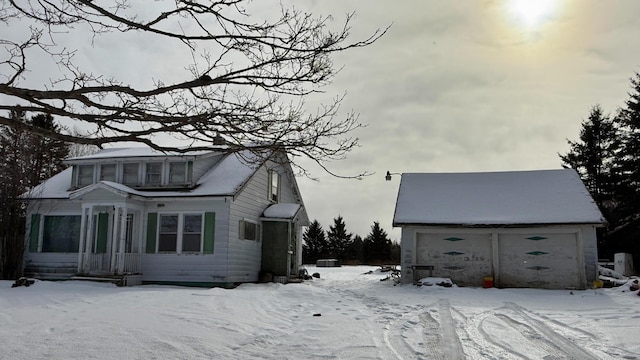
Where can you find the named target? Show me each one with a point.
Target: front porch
(110, 242)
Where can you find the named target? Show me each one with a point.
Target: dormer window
(108, 172)
(177, 173)
(85, 175)
(153, 173)
(130, 174)
(171, 172)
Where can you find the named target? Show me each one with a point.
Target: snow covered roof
(281, 211)
(226, 178)
(495, 198)
(133, 152)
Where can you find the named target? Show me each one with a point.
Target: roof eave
(495, 225)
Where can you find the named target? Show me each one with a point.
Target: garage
(532, 228)
(539, 260)
(463, 258)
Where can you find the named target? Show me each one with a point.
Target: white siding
(590, 252)
(197, 268)
(204, 164)
(245, 256)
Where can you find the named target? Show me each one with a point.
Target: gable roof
(495, 198)
(225, 178)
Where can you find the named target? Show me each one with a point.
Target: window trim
(78, 174)
(201, 232)
(179, 248)
(159, 232)
(242, 233)
(115, 171)
(43, 227)
(146, 173)
(123, 175)
(274, 197)
(185, 167)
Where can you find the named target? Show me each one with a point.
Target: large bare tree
(248, 76)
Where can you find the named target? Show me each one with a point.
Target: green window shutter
(152, 229)
(209, 232)
(34, 233)
(103, 230)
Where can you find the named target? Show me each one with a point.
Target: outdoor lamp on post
(388, 177)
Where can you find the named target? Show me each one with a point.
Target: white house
(198, 218)
(523, 228)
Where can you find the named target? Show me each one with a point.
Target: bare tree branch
(248, 80)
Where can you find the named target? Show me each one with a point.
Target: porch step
(119, 280)
(50, 272)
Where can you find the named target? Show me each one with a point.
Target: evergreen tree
(25, 160)
(625, 231)
(354, 252)
(377, 246)
(46, 153)
(315, 244)
(396, 251)
(338, 238)
(593, 157)
(628, 119)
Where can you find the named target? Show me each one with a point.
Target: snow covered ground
(345, 314)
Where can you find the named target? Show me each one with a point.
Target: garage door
(464, 258)
(539, 260)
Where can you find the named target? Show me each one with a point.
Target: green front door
(276, 255)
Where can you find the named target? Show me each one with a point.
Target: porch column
(83, 236)
(114, 236)
(86, 264)
(122, 239)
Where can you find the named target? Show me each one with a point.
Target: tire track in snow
(398, 335)
(478, 343)
(538, 332)
(450, 343)
(439, 341)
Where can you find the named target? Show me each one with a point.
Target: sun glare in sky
(532, 13)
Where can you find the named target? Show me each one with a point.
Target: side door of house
(276, 257)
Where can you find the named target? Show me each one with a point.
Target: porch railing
(97, 262)
(131, 262)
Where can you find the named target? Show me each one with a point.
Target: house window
(192, 233)
(130, 174)
(168, 237)
(85, 175)
(177, 172)
(108, 172)
(61, 234)
(153, 173)
(248, 230)
(274, 182)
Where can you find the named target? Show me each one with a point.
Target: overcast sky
(460, 86)
(454, 86)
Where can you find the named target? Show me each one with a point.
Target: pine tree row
(375, 249)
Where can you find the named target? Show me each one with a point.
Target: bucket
(488, 282)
